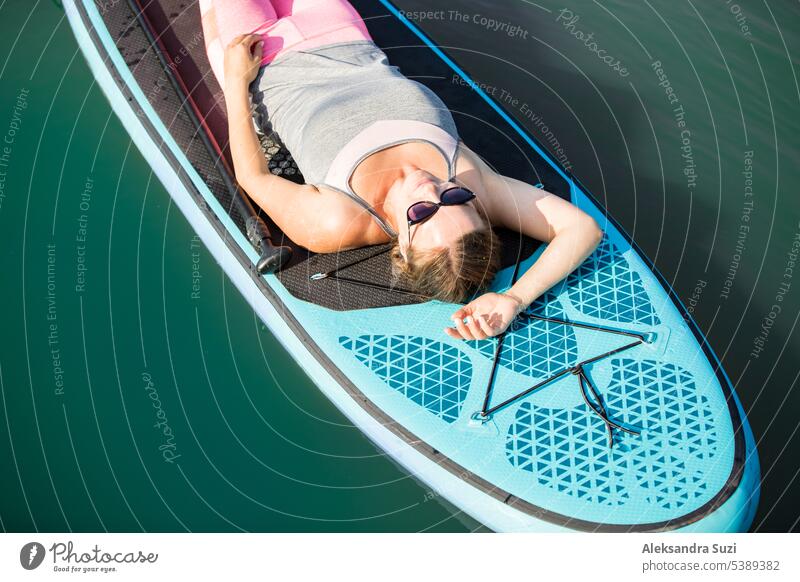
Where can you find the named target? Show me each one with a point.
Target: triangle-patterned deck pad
(430, 373)
(566, 450)
(606, 287)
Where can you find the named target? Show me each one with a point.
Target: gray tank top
(319, 100)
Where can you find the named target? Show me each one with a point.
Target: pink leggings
(285, 25)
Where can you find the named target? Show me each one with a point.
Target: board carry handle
(271, 258)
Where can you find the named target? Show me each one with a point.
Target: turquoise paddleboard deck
(602, 409)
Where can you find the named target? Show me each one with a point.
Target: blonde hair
(451, 274)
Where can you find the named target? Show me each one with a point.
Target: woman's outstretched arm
(571, 235)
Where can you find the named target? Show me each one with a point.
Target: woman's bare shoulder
(342, 224)
(475, 174)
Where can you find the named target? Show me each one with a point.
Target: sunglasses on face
(421, 211)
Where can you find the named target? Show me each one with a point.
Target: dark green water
(100, 315)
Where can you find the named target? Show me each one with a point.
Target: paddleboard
(603, 408)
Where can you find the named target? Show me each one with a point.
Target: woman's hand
(488, 315)
(242, 60)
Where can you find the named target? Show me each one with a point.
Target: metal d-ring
(480, 417)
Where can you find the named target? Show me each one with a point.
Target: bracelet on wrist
(520, 303)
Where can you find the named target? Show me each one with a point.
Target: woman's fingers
(257, 51)
(461, 313)
(463, 330)
(251, 39)
(245, 39)
(475, 328)
(483, 321)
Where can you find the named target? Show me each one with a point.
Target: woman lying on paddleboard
(381, 157)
